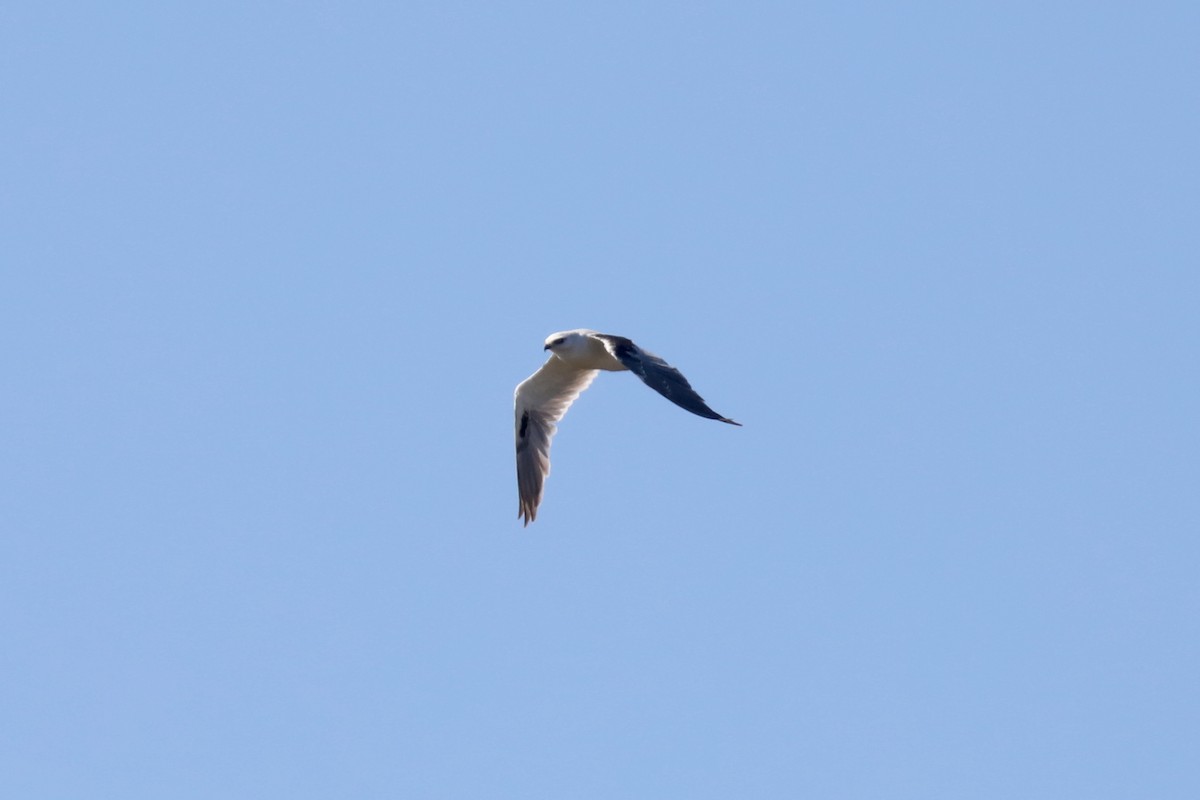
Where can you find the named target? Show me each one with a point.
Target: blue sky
(271, 276)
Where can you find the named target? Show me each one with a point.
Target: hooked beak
(547, 347)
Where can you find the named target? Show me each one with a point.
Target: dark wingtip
(731, 422)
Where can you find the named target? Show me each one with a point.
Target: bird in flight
(543, 398)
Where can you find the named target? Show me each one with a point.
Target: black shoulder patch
(524, 424)
(622, 348)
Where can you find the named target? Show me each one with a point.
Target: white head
(568, 343)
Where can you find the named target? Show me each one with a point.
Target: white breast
(592, 355)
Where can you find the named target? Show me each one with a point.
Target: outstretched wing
(540, 402)
(659, 376)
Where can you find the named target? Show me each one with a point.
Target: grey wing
(534, 432)
(539, 403)
(660, 376)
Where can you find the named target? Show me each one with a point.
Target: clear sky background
(272, 271)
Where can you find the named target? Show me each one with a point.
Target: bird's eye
(557, 342)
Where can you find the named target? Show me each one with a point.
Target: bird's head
(566, 343)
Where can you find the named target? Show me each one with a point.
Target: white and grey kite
(543, 398)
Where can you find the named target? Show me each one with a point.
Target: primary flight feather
(543, 398)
